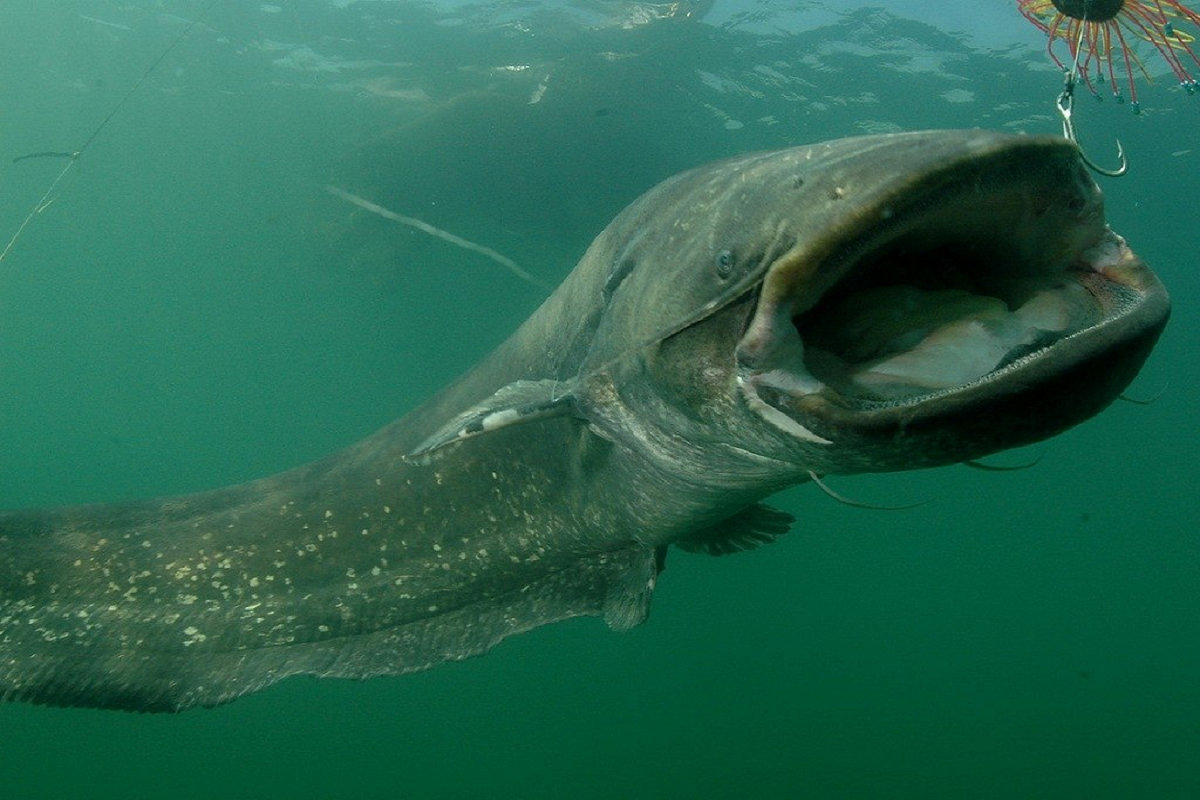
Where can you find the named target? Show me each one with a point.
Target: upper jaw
(929, 308)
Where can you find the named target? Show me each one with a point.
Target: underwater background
(195, 309)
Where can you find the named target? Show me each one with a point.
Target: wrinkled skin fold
(861, 305)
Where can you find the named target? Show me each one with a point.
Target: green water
(196, 310)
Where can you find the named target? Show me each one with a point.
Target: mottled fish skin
(623, 417)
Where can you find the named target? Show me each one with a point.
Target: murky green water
(196, 310)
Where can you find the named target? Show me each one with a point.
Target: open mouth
(956, 302)
(984, 279)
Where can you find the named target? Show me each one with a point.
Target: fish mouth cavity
(968, 289)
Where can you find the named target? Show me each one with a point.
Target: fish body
(862, 305)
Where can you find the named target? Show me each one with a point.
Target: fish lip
(1128, 307)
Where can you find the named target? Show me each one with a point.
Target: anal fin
(158, 675)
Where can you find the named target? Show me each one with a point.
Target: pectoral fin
(751, 527)
(515, 404)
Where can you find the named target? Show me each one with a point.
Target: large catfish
(863, 305)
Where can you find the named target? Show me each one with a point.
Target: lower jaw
(1040, 399)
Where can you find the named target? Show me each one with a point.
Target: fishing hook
(1065, 104)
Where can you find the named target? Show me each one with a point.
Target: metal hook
(1066, 104)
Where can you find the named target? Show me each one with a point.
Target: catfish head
(874, 304)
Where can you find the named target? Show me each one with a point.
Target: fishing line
(46, 201)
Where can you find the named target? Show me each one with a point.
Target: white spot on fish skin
(196, 635)
(498, 419)
(328, 513)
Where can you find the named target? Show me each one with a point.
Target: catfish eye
(724, 263)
